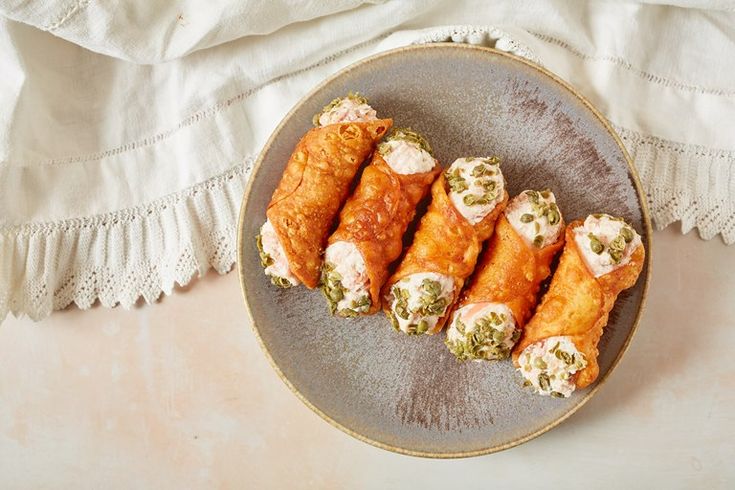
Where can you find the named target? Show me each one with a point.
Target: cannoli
(372, 223)
(466, 201)
(501, 296)
(314, 186)
(558, 352)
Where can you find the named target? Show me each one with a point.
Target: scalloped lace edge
(117, 258)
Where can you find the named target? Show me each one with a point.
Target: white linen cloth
(127, 128)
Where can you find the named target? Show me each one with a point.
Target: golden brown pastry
(558, 352)
(502, 293)
(465, 203)
(372, 223)
(314, 186)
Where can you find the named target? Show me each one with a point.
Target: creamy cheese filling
(419, 300)
(536, 217)
(273, 258)
(346, 109)
(482, 331)
(405, 156)
(550, 364)
(606, 243)
(344, 279)
(476, 186)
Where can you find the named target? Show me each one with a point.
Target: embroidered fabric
(140, 252)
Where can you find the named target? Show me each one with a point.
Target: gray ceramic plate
(408, 394)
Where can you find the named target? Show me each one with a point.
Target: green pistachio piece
(527, 218)
(556, 394)
(618, 243)
(544, 382)
(553, 216)
(281, 282)
(410, 136)
(335, 102)
(540, 363)
(627, 234)
(533, 196)
(595, 244)
(538, 241)
(265, 259)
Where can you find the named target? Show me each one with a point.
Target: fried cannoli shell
(578, 304)
(445, 243)
(314, 186)
(510, 271)
(376, 216)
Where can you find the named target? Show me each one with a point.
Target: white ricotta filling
(476, 186)
(348, 109)
(275, 255)
(548, 366)
(536, 217)
(419, 300)
(482, 331)
(344, 264)
(405, 157)
(606, 243)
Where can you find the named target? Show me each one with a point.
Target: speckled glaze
(409, 394)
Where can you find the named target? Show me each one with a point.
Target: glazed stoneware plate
(409, 394)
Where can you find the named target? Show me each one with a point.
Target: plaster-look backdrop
(178, 395)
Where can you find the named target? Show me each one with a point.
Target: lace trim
(688, 183)
(122, 256)
(480, 35)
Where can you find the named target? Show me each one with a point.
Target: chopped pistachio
(281, 282)
(410, 136)
(483, 342)
(527, 218)
(265, 259)
(456, 182)
(627, 234)
(355, 96)
(331, 286)
(544, 382)
(533, 196)
(556, 394)
(393, 321)
(553, 216)
(538, 241)
(595, 244)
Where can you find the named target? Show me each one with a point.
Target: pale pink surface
(178, 395)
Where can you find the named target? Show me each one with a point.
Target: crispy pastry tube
(558, 350)
(502, 294)
(460, 217)
(372, 223)
(314, 186)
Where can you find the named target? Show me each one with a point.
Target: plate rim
(636, 183)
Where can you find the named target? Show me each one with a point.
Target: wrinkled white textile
(127, 128)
